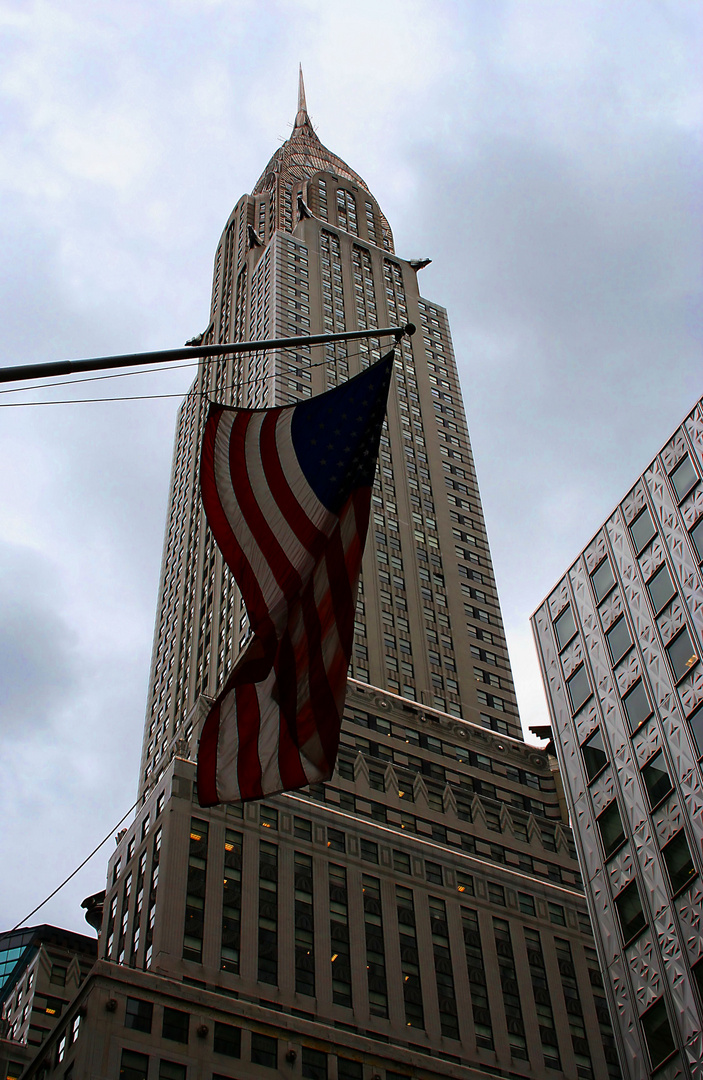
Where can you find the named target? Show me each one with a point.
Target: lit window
(682, 654)
(637, 706)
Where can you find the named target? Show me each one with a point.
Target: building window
(401, 862)
(134, 1066)
(679, 863)
(339, 936)
(138, 1015)
(656, 779)
(556, 914)
(657, 1033)
(579, 689)
(227, 1040)
(464, 883)
(231, 902)
(681, 654)
(637, 707)
(603, 579)
(172, 1070)
(433, 873)
(314, 1064)
(336, 840)
(369, 851)
(630, 913)
(526, 903)
(496, 893)
(304, 925)
(594, 756)
(574, 1009)
(642, 530)
(611, 831)
(349, 1070)
(302, 829)
(661, 589)
(543, 1001)
(565, 627)
(697, 537)
(684, 478)
(696, 722)
(195, 894)
(268, 817)
(448, 1016)
(175, 1025)
(619, 641)
(264, 1050)
(268, 913)
(375, 951)
(409, 958)
(511, 997)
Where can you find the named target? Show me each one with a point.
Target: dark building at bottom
(422, 914)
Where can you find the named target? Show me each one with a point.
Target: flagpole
(26, 372)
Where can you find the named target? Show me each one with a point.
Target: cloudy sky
(545, 154)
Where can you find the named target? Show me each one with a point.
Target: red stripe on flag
(222, 531)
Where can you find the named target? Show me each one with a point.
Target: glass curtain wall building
(619, 641)
(421, 914)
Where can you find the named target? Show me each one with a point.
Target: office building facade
(619, 641)
(422, 913)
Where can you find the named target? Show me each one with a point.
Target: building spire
(302, 114)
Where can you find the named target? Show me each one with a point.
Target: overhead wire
(153, 397)
(74, 872)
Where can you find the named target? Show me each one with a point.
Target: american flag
(287, 493)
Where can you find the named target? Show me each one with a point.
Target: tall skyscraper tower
(620, 640)
(421, 914)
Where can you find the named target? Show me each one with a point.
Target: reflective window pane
(656, 779)
(611, 830)
(681, 654)
(630, 913)
(657, 1033)
(594, 755)
(637, 706)
(579, 688)
(565, 627)
(684, 477)
(661, 589)
(697, 537)
(642, 530)
(679, 863)
(619, 641)
(603, 579)
(696, 722)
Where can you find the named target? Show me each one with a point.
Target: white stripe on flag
(226, 777)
